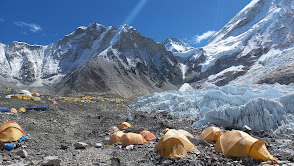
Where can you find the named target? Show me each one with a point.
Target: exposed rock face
(253, 47)
(133, 65)
(283, 75)
(94, 58)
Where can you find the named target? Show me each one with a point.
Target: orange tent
(148, 136)
(10, 131)
(131, 139)
(237, 143)
(186, 133)
(21, 109)
(174, 144)
(114, 138)
(211, 134)
(13, 110)
(125, 125)
(165, 130)
(114, 128)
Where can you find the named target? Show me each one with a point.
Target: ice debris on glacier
(261, 107)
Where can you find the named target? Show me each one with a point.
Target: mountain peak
(176, 45)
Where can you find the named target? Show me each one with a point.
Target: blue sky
(43, 22)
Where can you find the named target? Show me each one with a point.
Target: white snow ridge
(261, 107)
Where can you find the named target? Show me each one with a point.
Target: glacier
(261, 107)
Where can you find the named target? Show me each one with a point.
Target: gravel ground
(53, 133)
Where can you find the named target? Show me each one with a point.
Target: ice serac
(261, 107)
(259, 38)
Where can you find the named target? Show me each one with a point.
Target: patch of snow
(185, 87)
(186, 54)
(261, 107)
(232, 68)
(176, 45)
(183, 68)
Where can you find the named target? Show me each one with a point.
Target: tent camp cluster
(22, 109)
(176, 143)
(83, 99)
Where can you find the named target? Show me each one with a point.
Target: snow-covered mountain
(176, 45)
(256, 46)
(93, 58)
(257, 41)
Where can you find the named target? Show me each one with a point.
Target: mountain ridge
(253, 47)
(123, 48)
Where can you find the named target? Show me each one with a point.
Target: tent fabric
(211, 134)
(10, 131)
(125, 125)
(131, 139)
(39, 108)
(114, 138)
(4, 109)
(259, 151)
(165, 130)
(13, 110)
(114, 128)
(186, 133)
(237, 143)
(148, 136)
(174, 144)
(21, 109)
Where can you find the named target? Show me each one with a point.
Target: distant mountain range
(256, 46)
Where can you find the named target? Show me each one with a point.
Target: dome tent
(10, 131)
(211, 134)
(237, 143)
(125, 125)
(148, 136)
(114, 138)
(174, 144)
(131, 139)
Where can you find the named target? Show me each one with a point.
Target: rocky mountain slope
(256, 46)
(93, 58)
(256, 42)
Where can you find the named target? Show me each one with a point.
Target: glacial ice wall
(261, 107)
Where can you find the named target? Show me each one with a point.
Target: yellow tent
(148, 136)
(165, 130)
(114, 138)
(14, 97)
(186, 133)
(114, 128)
(237, 143)
(13, 110)
(211, 134)
(21, 109)
(174, 144)
(125, 125)
(131, 139)
(10, 131)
